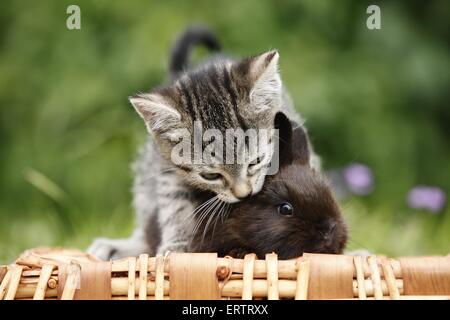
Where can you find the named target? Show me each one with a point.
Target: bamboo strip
(365, 266)
(260, 288)
(272, 276)
(439, 297)
(143, 269)
(41, 287)
(119, 287)
(131, 278)
(287, 288)
(72, 281)
(26, 291)
(165, 298)
(36, 273)
(5, 283)
(148, 298)
(232, 289)
(376, 279)
(28, 299)
(360, 278)
(3, 271)
(121, 265)
(369, 288)
(113, 298)
(286, 268)
(390, 280)
(35, 280)
(249, 263)
(14, 282)
(159, 278)
(301, 292)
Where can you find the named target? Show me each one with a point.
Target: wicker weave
(70, 274)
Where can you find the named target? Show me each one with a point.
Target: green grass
(68, 134)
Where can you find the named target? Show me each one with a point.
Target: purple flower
(359, 178)
(426, 197)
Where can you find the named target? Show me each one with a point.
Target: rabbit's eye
(285, 209)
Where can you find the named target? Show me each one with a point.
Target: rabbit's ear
(158, 111)
(300, 145)
(293, 142)
(284, 127)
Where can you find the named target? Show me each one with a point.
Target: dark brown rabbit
(295, 212)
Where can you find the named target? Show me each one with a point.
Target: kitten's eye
(285, 209)
(210, 176)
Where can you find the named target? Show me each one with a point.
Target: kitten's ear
(264, 65)
(158, 113)
(293, 142)
(264, 80)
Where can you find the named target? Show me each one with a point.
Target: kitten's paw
(107, 249)
(103, 248)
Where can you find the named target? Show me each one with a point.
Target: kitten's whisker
(201, 212)
(225, 212)
(195, 212)
(211, 216)
(201, 206)
(212, 212)
(204, 214)
(219, 215)
(198, 209)
(230, 206)
(216, 216)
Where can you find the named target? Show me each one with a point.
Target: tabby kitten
(221, 93)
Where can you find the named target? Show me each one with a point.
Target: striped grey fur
(221, 93)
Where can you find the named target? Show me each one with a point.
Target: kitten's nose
(242, 190)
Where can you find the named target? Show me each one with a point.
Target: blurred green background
(68, 133)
